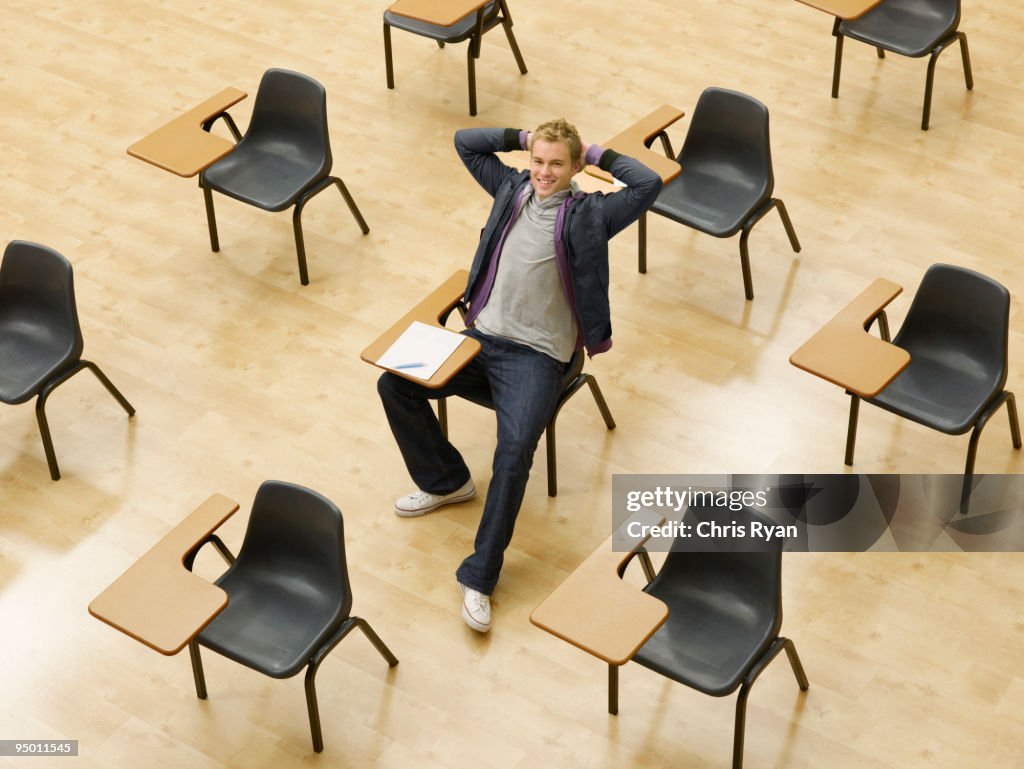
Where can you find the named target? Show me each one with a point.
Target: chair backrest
(291, 110)
(297, 534)
(935, 14)
(37, 288)
(961, 317)
(724, 573)
(728, 136)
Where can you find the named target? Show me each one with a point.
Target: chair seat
(947, 394)
(456, 33)
(908, 27)
(268, 175)
(708, 641)
(271, 625)
(30, 355)
(717, 204)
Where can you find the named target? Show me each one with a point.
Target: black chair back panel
(39, 331)
(728, 139)
(289, 119)
(296, 535)
(960, 319)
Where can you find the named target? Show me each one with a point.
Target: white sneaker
(423, 502)
(476, 609)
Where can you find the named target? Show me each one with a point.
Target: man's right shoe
(423, 502)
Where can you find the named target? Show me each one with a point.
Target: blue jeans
(524, 386)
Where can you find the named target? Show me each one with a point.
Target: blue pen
(408, 365)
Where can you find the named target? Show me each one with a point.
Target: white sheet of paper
(421, 350)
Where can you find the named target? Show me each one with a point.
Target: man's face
(551, 168)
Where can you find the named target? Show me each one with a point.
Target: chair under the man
(289, 599)
(40, 336)
(957, 334)
(283, 160)
(913, 28)
(573, 379)
(724, 619)
(471, 27)
(727, 180)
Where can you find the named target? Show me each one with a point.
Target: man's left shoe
(476, 609)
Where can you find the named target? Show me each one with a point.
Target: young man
(537, 292)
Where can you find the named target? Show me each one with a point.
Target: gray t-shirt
(528, 303)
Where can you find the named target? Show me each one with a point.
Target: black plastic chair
(956, 332)
(913, 28)
(724, 619)
(284, 159)
(727, 180)
(40, 338)
(471, 27)
(573, 380)
(289, 602)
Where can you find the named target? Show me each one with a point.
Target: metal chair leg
(966, 56)
(552, 459)
(129, 409)
(300, 245)
(602, 406)
(313, 708)
(798, 668)
(378, 644)
(748, 280)
(784, 215)
(471, 67)
(641, 224)
(44, 433)
(352, 207)
(851, 432)
(507, 25)
(838, 65)
(442, 415)
(1011, 412)
(389, 69)
(613, 689)
(211, 219)
(197, 669)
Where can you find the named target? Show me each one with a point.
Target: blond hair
(560, 130)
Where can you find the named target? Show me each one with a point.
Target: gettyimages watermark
(819, 513)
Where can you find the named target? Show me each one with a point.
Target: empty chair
(284, 158)
(912, 28)
(40, 338)
(724, 619)
(727, 180)
(573, 380)
(956, 332)
(470, 27)
(289, 602)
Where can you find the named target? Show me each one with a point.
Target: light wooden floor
(239, 374)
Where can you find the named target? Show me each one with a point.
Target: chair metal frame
(753, 218)
(568, 391)
(933, 55)
(304, 197)
(475, 35)
(309, 683)
(753, 673)
(57, 378)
